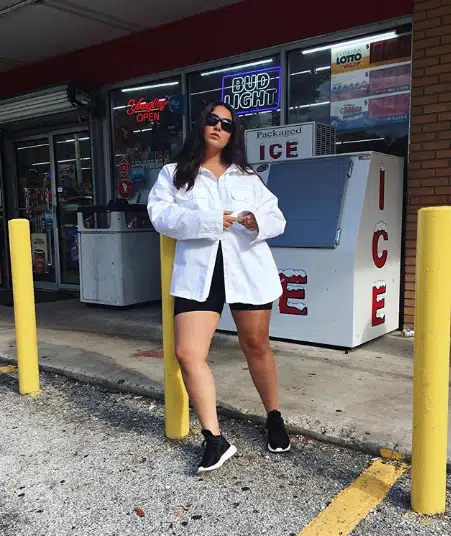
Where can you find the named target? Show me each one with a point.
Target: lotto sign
(370, 83)
(350, 58)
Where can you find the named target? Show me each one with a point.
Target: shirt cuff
(259, 220)
(215, 222)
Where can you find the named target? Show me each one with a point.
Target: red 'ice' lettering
(272, 151)
(382, 188)
(378, 304)
(292, 149)
(379, 259)
(291, 301)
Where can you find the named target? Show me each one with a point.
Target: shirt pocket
(243, 199)
(196, 199)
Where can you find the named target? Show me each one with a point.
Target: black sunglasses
(227, 125)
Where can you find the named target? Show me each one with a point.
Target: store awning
(42, 103)
(66, 26)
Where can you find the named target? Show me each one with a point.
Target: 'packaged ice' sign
(252, 91)
(280, 144)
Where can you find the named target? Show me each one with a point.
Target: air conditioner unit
(325, 139)
(290, 142)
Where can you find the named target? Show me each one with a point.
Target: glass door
(3, 227)
(34, 202)
(74, 188)
(54, 176)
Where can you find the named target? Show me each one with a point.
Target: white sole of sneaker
(226, 456)
(278, 451)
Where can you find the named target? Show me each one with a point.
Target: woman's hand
(228, 220)
(249, 222)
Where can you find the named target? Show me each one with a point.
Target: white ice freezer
(339, 259)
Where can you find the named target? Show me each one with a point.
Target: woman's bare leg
(194, 331)
(253, 335)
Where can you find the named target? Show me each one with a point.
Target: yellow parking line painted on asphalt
(8, 369)
(393, 455)
(356, 501)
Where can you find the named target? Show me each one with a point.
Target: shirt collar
(233, 168)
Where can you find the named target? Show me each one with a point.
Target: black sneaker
(217, 451)
(278, 440)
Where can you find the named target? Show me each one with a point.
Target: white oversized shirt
(195, 219)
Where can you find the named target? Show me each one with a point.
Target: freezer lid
(311, 195)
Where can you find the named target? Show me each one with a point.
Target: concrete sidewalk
(362, 398)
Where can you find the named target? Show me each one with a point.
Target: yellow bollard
(431, 361)
(24, 306)
(175, 395)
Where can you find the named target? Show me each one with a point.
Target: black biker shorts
(216, 297)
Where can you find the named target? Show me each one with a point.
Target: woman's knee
(183, 355)
(187, 357)
(256, 345)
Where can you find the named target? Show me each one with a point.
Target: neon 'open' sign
(253, 91)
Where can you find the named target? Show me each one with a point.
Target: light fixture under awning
(41, 103)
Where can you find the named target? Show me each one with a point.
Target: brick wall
(429, 174)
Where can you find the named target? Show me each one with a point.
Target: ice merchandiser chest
(119, 256)
(339, 260)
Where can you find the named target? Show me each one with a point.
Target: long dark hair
(193, 152)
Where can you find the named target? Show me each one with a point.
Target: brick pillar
(429, 173)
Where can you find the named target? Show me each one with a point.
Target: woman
(221, 215)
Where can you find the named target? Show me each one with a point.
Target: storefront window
(148, 132)
(309, 87)
(362, 87)
(253, 88)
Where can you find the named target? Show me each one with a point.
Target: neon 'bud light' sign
(253, 91)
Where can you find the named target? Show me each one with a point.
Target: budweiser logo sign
(146, 110)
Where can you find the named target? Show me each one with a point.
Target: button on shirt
(195, 219)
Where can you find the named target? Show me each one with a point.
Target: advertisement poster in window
(370, 83)
(138, 173)
(67, 181)
(72, 247)
(39, 250)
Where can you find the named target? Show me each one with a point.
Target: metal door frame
(52, 135)
(13, 181)
(4, 256)
(17, 210)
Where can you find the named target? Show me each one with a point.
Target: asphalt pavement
(343, 397)
(81, 461)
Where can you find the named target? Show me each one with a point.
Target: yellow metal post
(175, 395)
(431, 360)
(24, 306)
